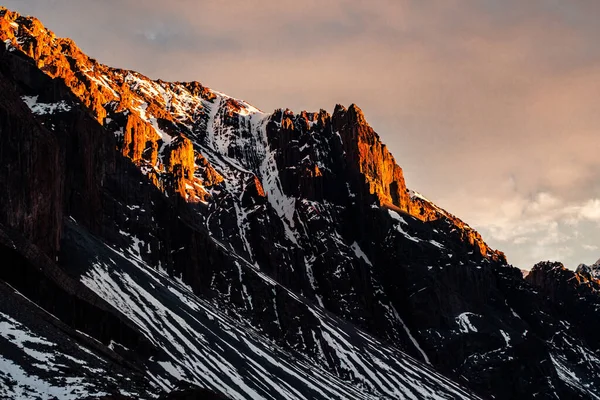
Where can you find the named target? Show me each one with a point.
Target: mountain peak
(589, 271)
(153, 113)
(356, 113)
(353, 114)
(339, 108)
(370, 157)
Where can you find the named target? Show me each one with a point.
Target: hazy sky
(492, 107)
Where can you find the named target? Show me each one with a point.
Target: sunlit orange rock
(210, 176)
(384, 178)
(136, 136)
(365, 152)
(103, 89)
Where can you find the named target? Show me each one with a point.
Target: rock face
(589, 271)
(120, 99)
(370, 158)
(257, 255)
(30, 171)
(573, 294)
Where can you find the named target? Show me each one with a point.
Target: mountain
(157, 235)
(591, 271)
(573, 296)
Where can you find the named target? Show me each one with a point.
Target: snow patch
(410, 336)
(45, 108)
(464, 322)
(398, 226)
(360, 254)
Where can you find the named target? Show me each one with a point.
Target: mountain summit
(592, 271)
(165, 234)
(172, 131)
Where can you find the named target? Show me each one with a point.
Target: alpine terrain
(162, 240)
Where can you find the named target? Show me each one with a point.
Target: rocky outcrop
(555, 279)
(254, 194)
(115, 98)
(57, 57)
(209, 175)
(591, 272)
(180, 165)
(330, 157)
(425, 210)
(139, 140)
(575, 296)
(367, 155)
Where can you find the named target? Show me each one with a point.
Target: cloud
(590, 210)
(541, 227)
(490, 107)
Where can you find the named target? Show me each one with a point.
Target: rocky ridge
(154, 121)
(589, 271)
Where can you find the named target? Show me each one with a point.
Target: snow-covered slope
(35, 365)
(207, 343)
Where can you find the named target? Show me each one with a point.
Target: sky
(491, 107)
